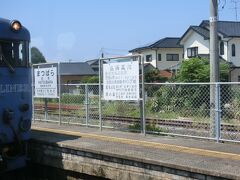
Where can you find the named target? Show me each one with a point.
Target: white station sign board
(121, 81)
(46, 82)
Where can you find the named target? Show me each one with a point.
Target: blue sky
(76, 30)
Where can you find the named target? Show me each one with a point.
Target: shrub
(149, 127)
(72, 99)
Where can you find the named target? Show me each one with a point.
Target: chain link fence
(175, 109)
(178, 109)
(230, 111)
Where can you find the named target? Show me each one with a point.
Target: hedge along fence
(65, 99)
(72, 98)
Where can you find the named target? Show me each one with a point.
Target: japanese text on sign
(46, 82)
(121, 81)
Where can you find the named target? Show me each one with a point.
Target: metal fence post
(59, 91)
(217, 112)
(143, 98)
(86, 104)
(100, 93)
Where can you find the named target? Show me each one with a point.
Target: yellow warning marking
(169, 147)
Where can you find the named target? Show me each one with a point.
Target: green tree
(36, 56)
(90, 79)
(198, 70)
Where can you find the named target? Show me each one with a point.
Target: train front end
(15, 94)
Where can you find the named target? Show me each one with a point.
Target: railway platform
(124, 155)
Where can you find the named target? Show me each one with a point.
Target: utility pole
(214, 64)
(102, 53)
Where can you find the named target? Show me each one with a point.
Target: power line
(112, 52)
(222, 5)
(235, 2)
(111, 49)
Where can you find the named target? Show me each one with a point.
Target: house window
(172, 57)
(149, 58)
(238, 78)
(221, 48)
(159, 57)
(192, 52)
(233, 50)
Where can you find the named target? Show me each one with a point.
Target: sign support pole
(59, 94)
(143, 98)
(46, 108)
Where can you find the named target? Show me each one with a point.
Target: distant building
(196, 43)
(164, 54)
(73, 72)
(94, 64)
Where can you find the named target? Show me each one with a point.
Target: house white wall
(163, 64)
(195, 40)
(148, 52)
(225, 55)
(235, 60)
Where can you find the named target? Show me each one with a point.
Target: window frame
(149, 58)
(193, 52)
(159, 57)
(172, 57)
(233, 48)
(221, 48)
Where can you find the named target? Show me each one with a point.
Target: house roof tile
(76, 68)
(200, 30)
(227, 28)
(168, 42)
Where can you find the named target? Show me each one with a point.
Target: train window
(14, 53)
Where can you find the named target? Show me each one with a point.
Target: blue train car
(15, 94)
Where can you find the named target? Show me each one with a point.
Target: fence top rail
(203, 83)
(81, 84)
(121, 57)
(49, 63)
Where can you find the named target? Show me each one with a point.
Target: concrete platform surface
(193, 155)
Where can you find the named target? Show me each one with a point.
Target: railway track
(173, 123)
(177, 123)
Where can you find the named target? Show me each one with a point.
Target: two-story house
(164, 54)
(196, 42)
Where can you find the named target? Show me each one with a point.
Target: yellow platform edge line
(176, 148)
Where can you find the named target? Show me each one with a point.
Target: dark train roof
(7, 33)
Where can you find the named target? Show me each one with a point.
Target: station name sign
(46, 82)
(121, 81)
